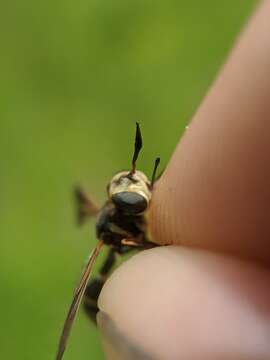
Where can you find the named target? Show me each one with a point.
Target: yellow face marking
(138, 183)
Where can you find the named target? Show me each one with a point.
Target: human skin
(208, 295)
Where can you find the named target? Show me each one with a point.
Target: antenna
(137, 147)
(157, 161)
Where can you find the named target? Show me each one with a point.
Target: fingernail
(116, 345)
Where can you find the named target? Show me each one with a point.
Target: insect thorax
(113, 226)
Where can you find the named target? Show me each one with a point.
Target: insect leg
(138, 243)
(85, 207)
(95, 286)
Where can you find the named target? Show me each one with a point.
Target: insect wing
(85, 207)
(73, 309)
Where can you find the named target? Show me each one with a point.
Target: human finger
(179, 303)
(215, 192)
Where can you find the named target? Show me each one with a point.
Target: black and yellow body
(122, 233)
(121, 224)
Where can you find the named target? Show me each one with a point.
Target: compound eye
(130, 202)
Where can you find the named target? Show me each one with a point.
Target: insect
(120, 224)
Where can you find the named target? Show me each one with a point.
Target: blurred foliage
(75, 76)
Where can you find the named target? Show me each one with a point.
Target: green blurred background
(75, 76)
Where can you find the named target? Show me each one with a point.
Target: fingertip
(167, 299)
(215, 192)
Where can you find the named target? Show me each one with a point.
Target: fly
(120, 224)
